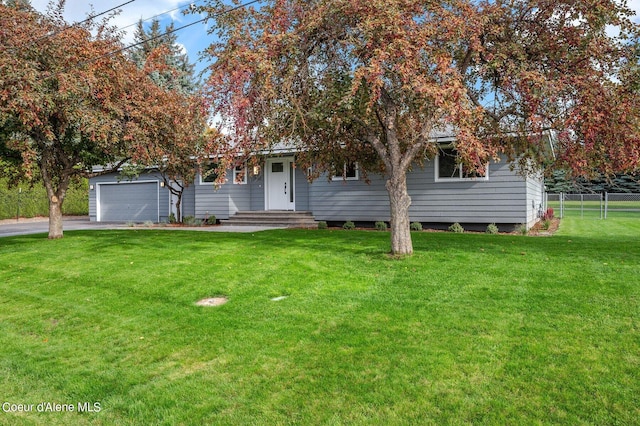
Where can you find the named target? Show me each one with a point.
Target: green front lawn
(473, 329)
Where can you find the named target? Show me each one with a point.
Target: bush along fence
(595, 206)
(31, 201)
(18, 202)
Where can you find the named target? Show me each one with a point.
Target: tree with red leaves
(70, 99)
(372, 80)
(180, 139)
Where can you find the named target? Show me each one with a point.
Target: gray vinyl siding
(229, 198)
(342, 200)
(256, 186)
(301, 191)
(500, 199)
(504, 198)
(223, 201)
(535, 198)
(188, 205)
(92, 200)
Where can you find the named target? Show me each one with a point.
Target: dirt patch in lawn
(542, 229)
(212, 301)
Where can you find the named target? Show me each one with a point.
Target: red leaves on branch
(343, 79)
(68, 103)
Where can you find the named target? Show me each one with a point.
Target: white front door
(279, 188)
(173, 200)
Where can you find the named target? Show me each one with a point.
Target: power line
(91, 17)
(55, 33)
(172, 31)
(155, 37)
(161, 14)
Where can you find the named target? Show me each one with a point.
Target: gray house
(442, 193)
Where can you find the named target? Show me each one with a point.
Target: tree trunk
(55, 217)
(56, 194)
(179, 207)
(399, 201)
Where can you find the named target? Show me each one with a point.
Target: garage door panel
(124, 202)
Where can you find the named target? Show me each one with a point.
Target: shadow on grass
(373, 244)
(22, 239)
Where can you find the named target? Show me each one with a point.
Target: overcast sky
(194, 39)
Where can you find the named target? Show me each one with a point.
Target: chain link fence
(30, 201)
(621, 205)
(594, 206)
(17, 203)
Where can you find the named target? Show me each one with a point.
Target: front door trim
(279, 191)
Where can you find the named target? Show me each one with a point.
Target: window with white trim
(349, 171)
(449, 168)
(240, 174)
(209, 173)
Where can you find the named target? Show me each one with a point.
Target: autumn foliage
(70, 99)
(373, 80)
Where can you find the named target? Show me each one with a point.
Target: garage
(128, 201)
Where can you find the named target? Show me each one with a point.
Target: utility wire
(160, 14)
(91, 17)
(172, 31)
(28, 43)
(97, 58)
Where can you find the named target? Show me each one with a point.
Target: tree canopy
(70, 99)
(179, 73)
(183, 141)
(373, 80)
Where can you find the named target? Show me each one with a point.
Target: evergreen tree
(560, 181)
(179, 73)
(18, 4)
(158, 53)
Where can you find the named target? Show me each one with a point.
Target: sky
(194, 38)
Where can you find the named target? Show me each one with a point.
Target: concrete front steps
(275, 218)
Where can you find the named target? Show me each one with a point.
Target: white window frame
(343, 175)
(237, 170)
(202, 181)
(460, 177)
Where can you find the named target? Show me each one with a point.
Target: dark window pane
(351, 171)
(448, 166)
(210, 172)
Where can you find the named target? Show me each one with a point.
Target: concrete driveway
(12, 227)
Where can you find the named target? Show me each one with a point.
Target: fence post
(562, 205)
(581, 206)
(18, 208)
(606, 204)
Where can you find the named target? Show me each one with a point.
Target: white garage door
(128, 201)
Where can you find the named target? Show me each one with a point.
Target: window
(349, 171)
(209, 173)
(240, 174)
(277, 167)
(449, 168)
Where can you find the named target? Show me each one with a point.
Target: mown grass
(473, 329)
